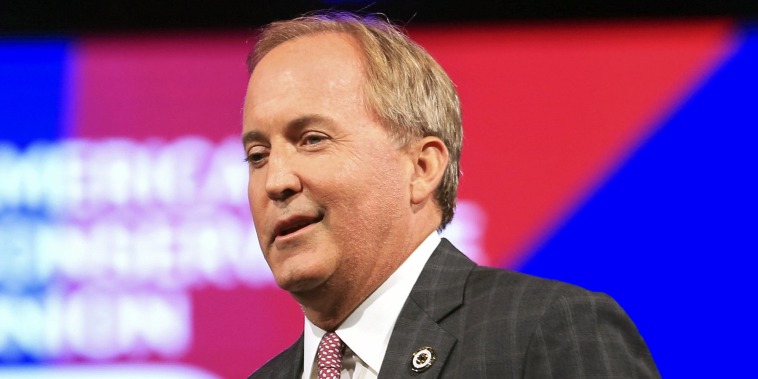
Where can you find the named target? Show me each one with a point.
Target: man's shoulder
(549, 323)
(503, 285)
(524, 285)
(497, 286)
(286, 364)
(527, 294)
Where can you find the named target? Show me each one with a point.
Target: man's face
(329, 188)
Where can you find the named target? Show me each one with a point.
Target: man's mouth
(293, 224)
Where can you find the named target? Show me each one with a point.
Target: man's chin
(300, 285)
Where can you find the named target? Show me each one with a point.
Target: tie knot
(329, 357)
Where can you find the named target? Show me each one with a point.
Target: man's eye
(312, 139)
(256, 158)
(252, 158)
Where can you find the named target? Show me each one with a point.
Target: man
(353, 136)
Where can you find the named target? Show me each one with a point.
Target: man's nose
(282, 180)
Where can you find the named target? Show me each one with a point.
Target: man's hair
(406, 89)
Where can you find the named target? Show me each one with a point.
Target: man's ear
(430, 161)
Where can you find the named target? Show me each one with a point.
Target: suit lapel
(287, 365)
(437, 293)
(294, 368)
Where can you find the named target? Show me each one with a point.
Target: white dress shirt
(366, 332)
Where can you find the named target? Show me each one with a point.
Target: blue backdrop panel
(672, 235)
(32, 75)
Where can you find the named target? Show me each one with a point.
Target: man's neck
(328, 305)
(327, 309)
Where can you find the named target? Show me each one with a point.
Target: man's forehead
(324, 67)
(311, 51)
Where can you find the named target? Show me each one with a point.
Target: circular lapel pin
(422, 359)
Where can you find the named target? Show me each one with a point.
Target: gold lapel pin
(422, 359)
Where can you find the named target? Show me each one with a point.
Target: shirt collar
(368, 329)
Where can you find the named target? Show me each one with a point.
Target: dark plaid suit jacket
(490, 323)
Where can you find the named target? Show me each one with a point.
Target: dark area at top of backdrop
(79, 16)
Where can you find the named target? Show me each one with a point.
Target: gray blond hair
(406, 89)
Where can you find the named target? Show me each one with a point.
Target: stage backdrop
(619, 157)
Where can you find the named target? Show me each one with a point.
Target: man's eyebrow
(252, 136)
(301, 122)
(293, 126)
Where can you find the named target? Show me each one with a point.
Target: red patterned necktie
(329, 357)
